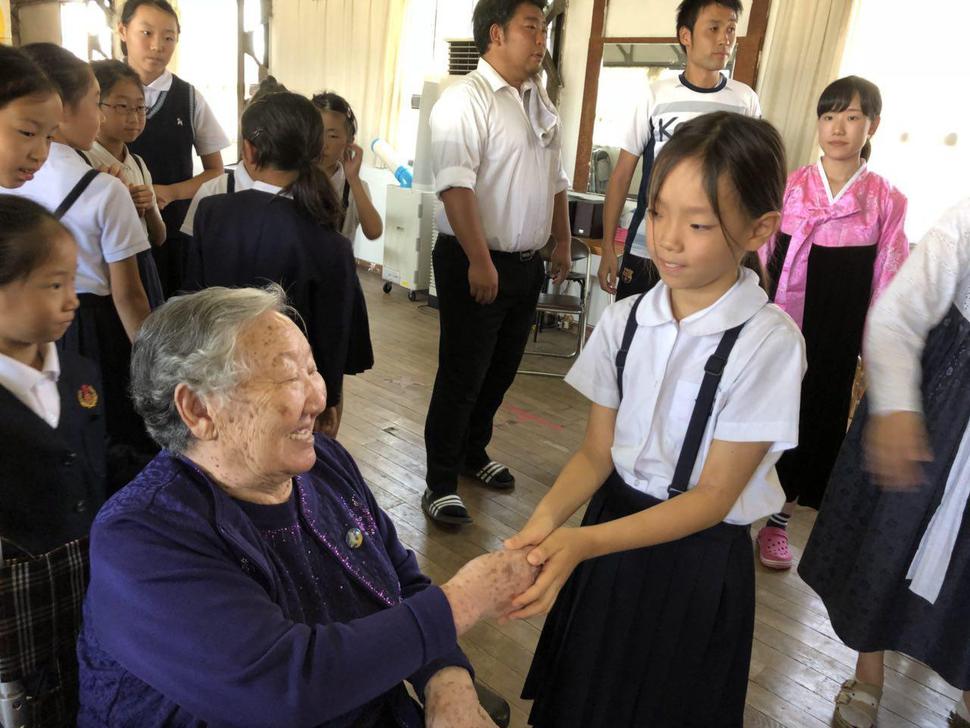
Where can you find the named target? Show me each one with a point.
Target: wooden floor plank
(798, 662)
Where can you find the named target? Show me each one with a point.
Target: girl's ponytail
(314, 194)
(286, 132)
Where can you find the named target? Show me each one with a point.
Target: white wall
(650, 19)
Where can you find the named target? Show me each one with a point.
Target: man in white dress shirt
(496, 146)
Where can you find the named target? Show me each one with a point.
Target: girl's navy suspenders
(82, 184)
(703, 405)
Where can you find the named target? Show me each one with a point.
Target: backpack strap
(230, 181)
(82, 184)
(703, 406)
(628, 333)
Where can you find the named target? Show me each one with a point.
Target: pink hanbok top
(867, 211)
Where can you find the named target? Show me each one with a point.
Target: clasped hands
(522, 580)
(518, 582)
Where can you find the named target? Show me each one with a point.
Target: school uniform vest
(166, 146)
(52, 480)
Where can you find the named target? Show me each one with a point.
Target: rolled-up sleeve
(458, 133)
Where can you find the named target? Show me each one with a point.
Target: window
(86, 28)
(923, 142)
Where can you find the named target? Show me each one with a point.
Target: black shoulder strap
(703, 407)
(346, 196)
(628, 334)
(141, 165)
(82, 184)
(84, 156)
(230, 181)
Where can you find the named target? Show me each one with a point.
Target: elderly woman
(247, 577)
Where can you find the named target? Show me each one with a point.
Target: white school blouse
(217, 186)
(504, 145)
(757, 399)
(351, 216)
(103, 221)
(36, 389)
(134, 173)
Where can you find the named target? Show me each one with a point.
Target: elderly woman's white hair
(191, 339)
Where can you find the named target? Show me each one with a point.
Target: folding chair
(563, 304)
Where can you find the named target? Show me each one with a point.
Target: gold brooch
(87, 396)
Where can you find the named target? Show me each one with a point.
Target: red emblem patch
(87, 396)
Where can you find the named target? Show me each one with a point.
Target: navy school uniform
(97, 209)
(52, 486)
(661, 636)
(259, 236)
(53, 477)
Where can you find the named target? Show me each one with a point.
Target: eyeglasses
(125, 109)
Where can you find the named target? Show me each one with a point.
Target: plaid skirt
(40, 617)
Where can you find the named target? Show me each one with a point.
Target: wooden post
(587, 118)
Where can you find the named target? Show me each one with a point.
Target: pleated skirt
(360, 351)
(865, 537)
(651, 637)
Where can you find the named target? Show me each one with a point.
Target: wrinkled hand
(561, 261)
(353, 159)
(609, 268)
(486, 586)
(483, 281)
(450, 701)
(558, 555)
(164, 194)
(896, 446)
(115, 170)
(143, 197)
(327, 422)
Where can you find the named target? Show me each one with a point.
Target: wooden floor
(797, 664)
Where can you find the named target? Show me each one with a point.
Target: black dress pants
(479, 351)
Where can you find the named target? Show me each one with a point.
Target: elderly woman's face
(266, 425)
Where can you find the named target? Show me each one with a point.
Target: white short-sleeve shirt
(217, 186)
(669, 103)
(134, 173)
(757, 399)
(504, 145)
(36, 389)
(103, 220)
(208, 134)
(351, 216)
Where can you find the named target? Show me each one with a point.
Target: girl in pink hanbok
(840, 243)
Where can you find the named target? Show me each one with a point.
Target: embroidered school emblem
(178, 121)
(87, 396)
(627, 275)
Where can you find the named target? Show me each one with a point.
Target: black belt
(522, 255)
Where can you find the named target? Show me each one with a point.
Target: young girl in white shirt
(695, 394)
(52, 456)
(123, 120)
(890, 551)
(340, 161)
(178, 122)
(97, 208)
